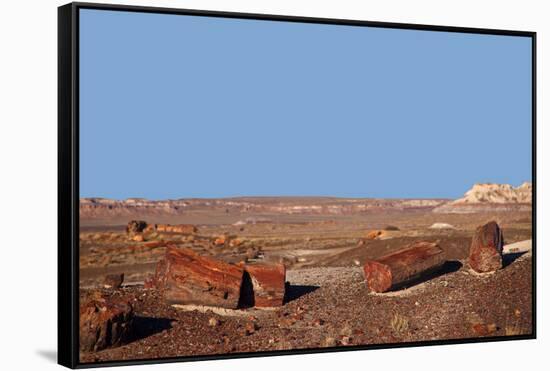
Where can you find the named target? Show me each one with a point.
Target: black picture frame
(68, 176)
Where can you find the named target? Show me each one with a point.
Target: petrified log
(268, 285)
(486, 248)
(135, 226)
(113, 280)
(194, 279)
(178, 228)
(104, 322)
(158, 280)
(404, 266)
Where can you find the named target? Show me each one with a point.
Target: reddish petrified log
(486, 248)
(194, 279)
(268, 285)
(104, 322)
(404, 266)
(158, 280)
(178, 228)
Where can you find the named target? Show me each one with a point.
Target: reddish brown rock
(235, 242)
(404, 266)
(104, 322)
(158, 280)
(268, 284)
(150, 228)
(161, 227)
(113, 281)
(178, 228)
(482, 329)
(220, 241)
(155, 244)
(135, 226)
(486, 248)
(194, 279)
(138, 238)
(373, 235)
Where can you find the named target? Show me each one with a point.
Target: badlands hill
(491, 197)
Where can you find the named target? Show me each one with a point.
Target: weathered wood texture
(194, 279)
(104, 322)
(486, 248)
(158, 280)
(268, 284)
(404, 266)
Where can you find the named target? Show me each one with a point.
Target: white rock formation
(491, 197)
(442, 226)
(497, 193)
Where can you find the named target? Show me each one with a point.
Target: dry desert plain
(323, 244)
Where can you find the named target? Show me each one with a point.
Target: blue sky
(180, 106)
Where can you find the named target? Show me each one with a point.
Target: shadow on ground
(147, 326)
(450, 266)
(293, 292)
(508, 259)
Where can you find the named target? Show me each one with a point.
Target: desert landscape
(195, 277)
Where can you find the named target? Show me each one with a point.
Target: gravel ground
(330, 306)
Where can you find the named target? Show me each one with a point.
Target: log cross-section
(404, 266)
(486, 248)
(268, 285)
(194, 279)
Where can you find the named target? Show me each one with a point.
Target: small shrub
(399, 324)
(513, 330)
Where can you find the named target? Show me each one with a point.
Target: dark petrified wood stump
(135, 226)
(104, 322)
(268, 284)
(194, 279)
(486, 248)
(113, 281)
(404, 266)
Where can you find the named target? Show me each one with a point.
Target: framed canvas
(237, 185)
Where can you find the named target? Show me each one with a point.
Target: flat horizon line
(240, 197)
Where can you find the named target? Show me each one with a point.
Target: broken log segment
(105, 322)
(486, 248)
(418, 260)
(194, 279)
(178, 228)
(267, 285)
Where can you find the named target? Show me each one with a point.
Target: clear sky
(179, 106)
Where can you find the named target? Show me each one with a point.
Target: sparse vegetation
(513, 330)
(399, 324)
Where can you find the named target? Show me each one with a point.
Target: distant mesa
(491, 197)
(135, 208)
(481, 198)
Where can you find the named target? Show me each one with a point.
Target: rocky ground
(331, 306)
(323, 244)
